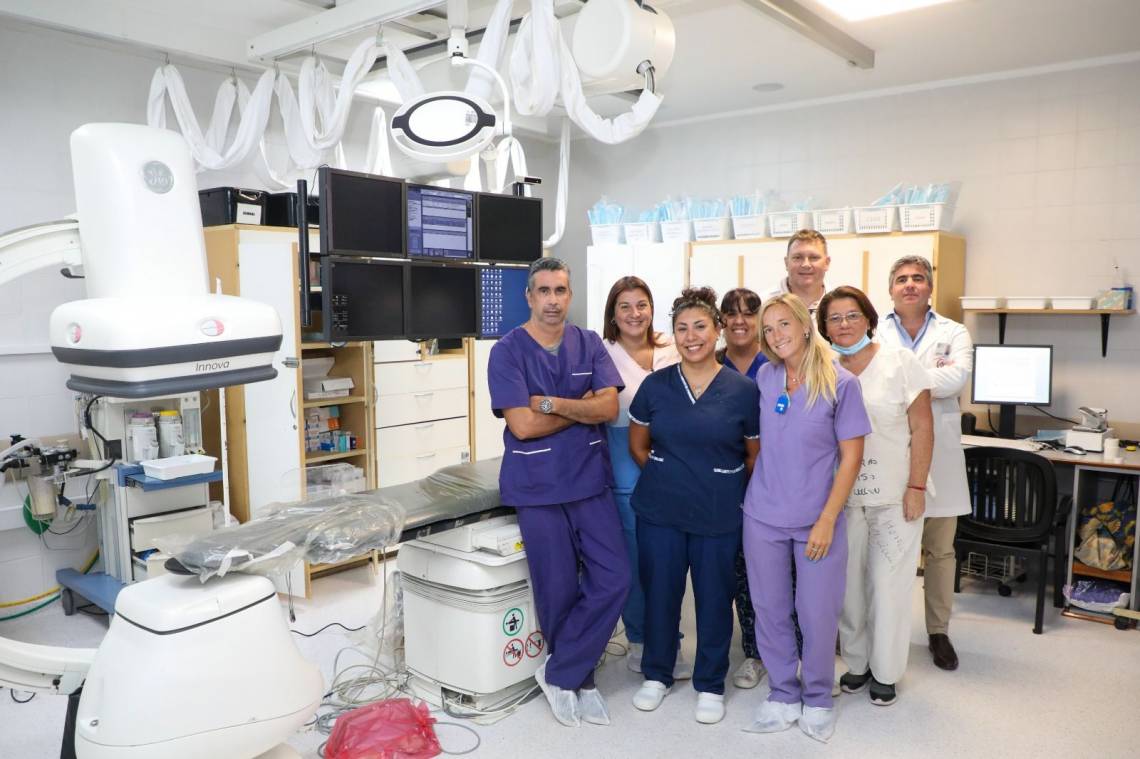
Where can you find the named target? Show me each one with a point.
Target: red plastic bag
(391, 729)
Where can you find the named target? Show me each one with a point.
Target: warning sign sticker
(513, 652)
(513, 622)
(535, 643)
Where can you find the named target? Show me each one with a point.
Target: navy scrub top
(754, 367)
(695, 477)
(572, 464)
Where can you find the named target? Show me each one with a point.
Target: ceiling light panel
(859, 10)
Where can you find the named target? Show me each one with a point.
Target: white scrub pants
(882, 558)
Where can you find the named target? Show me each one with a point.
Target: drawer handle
(423, 365)
(422, 395)
(425, 426)
(426, 456)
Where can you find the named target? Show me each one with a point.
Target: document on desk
(972, 441)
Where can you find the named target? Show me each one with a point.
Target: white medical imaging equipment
(616, 43)
(472, 578)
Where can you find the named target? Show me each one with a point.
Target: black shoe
(882, 694)
(943, 650)
(850, 682)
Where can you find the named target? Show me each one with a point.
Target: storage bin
(929, 217)
(787, 223)
(231, 205)
(676, 231)
(876, 220)
(1072, 302)
(606, 234)
(832, 221)
(1027, 302)
(281, 210)
(712, 229)
(642, 232)
(982, 301)
(178, 466)
(747, 227)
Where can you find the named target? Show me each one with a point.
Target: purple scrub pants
(579, 572)
(818, 601)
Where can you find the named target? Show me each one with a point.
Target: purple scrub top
(572, 464)
(799, 449)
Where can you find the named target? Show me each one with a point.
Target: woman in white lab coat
(885, 508)
(944, 349)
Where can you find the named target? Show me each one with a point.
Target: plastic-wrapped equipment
(391, 729)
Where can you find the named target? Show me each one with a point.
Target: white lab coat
(947, 354)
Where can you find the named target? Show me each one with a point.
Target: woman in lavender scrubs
(812, 424)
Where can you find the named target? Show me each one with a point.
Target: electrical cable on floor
(330, 624)
(35, 608)
(86, 609)
(468, 728)
(12, 693)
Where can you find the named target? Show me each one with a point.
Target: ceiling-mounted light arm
(645, 68)
(798, 18)
(458, 60)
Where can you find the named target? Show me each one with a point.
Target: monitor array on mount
(401, 260)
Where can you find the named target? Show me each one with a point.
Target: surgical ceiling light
(858, 10)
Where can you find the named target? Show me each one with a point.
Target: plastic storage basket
(787, 223)
(747, 227)
(606, 234)
(642, 232)
(832, 221)
(712, 229)
(676, 231)
(876, 220)
(925, 218)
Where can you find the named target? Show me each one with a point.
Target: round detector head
(444, 126)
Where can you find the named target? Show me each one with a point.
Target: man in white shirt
(944, 349)
(807, 262)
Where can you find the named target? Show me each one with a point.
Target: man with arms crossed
(944, 349)
(555, 385)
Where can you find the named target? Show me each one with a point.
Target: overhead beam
(817, 29)
(331, 24)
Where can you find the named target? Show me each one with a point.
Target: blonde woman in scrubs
(884, 511)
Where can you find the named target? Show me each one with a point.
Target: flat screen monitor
(362, 299)
(361, 214)
(1011, 376)
(441, 223)
(442, 301)
(502, 300)
(509, 228)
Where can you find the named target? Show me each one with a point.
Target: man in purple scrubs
(555, 385)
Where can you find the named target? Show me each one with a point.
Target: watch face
(546, 405)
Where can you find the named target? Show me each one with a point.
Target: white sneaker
(710, 708)
(774, 716)
(563, 703)
(818, 722)
(749, 674)
(633, 657)
(682, 667)
(592, 707)
(650, 695)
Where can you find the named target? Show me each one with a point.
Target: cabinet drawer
(396, 470)
(421, 406)
(423, 437)
(395, 350)
(191, 522)
(418, 376)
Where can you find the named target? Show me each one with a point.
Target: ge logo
(158, 177)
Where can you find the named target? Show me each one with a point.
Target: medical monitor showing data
(441, 223)
(362, 299)
(361, 214)
(502, 300)
(442, 301)
(1013, 375)
(509, 228)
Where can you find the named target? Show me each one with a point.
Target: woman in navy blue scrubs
(694, 431)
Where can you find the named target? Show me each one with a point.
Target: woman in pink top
(637, 351)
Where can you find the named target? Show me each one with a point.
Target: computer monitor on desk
(1012, 376)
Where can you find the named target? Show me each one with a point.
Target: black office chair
(1013, 495)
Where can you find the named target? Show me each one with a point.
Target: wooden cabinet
(661, 265)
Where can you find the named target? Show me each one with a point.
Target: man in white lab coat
(807, 262)
(944, 348)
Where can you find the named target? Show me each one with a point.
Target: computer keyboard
(999, 442)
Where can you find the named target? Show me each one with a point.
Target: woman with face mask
(884, 511)
(812, 424)
(693, 432)
(637, 351)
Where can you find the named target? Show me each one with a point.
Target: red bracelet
(916, 487)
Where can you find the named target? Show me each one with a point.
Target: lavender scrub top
(799, 449)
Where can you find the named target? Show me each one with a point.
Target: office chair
(1013, 496)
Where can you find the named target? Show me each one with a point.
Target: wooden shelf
(321, 458)
(322, 402)
(1104, 313)
(1084, 570)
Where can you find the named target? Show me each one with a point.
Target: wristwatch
(546, 406)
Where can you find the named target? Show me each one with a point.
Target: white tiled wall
(1050, 172)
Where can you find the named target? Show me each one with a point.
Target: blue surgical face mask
(852, 350)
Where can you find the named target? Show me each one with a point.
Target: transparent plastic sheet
(322, 530)
(339, 527)
(383, 637)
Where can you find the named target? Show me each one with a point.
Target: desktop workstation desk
(1091, 472)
